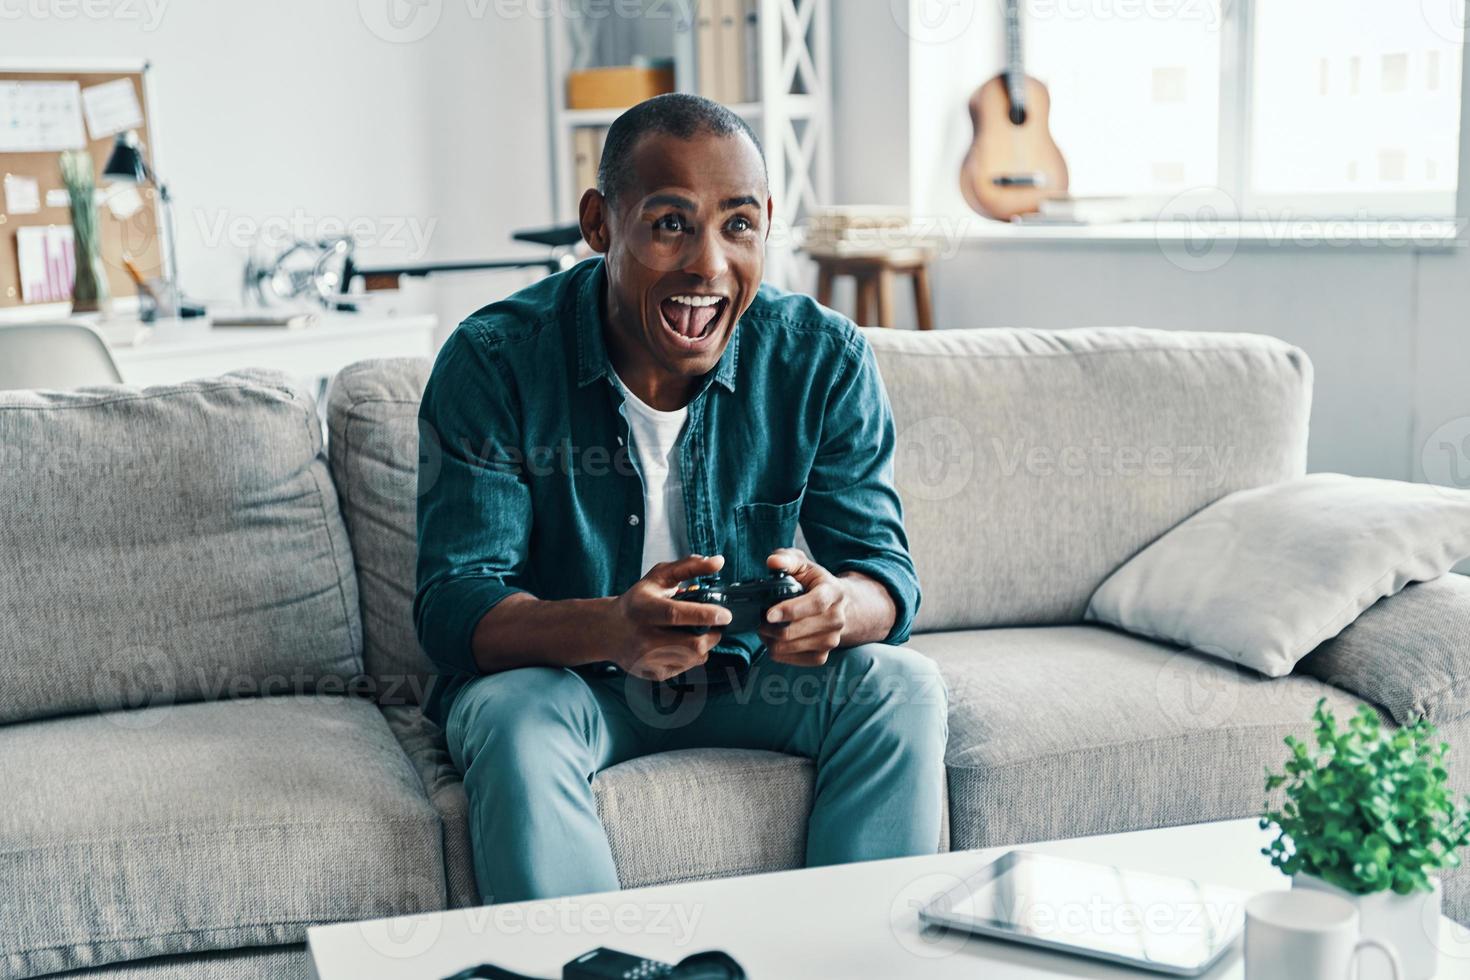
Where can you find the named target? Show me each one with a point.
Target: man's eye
(670, 222)
(740, 225)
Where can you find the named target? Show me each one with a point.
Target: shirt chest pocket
(760, 529)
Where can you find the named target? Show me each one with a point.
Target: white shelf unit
(793, 116)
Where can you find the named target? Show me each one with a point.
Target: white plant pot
(1408, 923)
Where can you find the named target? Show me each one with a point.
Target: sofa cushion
(1456, 733)
(1032, 464)
(169, 544)
(1265, 576)
(201, 827)
(705, 813)
(1408, 653)
(274, 963)
(373, 417)
(423, 743)
(1073, 730)
(671, 816)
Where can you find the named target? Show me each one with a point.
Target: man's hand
(804, 630)
(647, 640)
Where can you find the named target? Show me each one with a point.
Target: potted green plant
(1367, 814)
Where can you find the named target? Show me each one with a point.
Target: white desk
(181, 350)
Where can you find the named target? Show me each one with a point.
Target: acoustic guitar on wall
(1013, 163)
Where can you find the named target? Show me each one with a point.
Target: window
(1324, 108)
(1135, 99)
(1354, 100)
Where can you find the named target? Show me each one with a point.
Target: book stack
(1092, 210)
(725, 42)
(586, 157)
(856, 230)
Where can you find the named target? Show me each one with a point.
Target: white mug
(1305, 935)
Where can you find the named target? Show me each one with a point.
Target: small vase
(89, 292)
(1408, 923)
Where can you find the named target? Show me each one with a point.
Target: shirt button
(632, 520)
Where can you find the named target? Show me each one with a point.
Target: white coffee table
(850, 922)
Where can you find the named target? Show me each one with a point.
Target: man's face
(685, 246)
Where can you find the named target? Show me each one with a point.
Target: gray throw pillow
(169, 544)
(1409, 654)
(1263, 576)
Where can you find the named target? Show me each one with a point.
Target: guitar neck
(1015, 70)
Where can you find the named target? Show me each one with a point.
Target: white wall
(484, 118)
(1388, 329)
(315, 115)
(870, 111)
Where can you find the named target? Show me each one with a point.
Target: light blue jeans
(529, 741)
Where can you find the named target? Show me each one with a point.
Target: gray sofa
(209, 733)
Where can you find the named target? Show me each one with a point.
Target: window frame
(1237, 93)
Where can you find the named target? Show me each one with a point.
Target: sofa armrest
(1409, 653)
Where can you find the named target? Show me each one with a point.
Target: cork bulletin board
(135, 236)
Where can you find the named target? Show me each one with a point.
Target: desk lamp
(127, 163)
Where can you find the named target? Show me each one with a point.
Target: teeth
(696, 300)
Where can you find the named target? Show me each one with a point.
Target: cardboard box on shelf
(617, 87)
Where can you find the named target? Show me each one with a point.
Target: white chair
(54, 355)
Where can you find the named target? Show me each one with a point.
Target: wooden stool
(873, 274)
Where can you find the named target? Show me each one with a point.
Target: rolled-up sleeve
(474, 508)
(851, 515)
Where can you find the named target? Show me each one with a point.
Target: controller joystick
(747, 601)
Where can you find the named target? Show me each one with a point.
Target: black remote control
(747, 601)
(609, 964)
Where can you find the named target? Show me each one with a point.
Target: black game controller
(747, 601)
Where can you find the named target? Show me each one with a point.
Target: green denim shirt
(527, 481)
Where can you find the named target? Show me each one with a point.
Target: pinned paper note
(57, 197)
(36, 117)
(22, 194)
(124, 202)
(47, 263)
(111, 108)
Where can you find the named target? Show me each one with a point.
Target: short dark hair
(677, 114)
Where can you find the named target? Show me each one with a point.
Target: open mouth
(691, 319)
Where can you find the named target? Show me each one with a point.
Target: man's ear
(593, 216)
(770, 214)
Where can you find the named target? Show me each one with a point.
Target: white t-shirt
(655, 435)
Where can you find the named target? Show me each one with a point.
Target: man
(644, 418)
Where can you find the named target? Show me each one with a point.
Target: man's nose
(706, 257)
